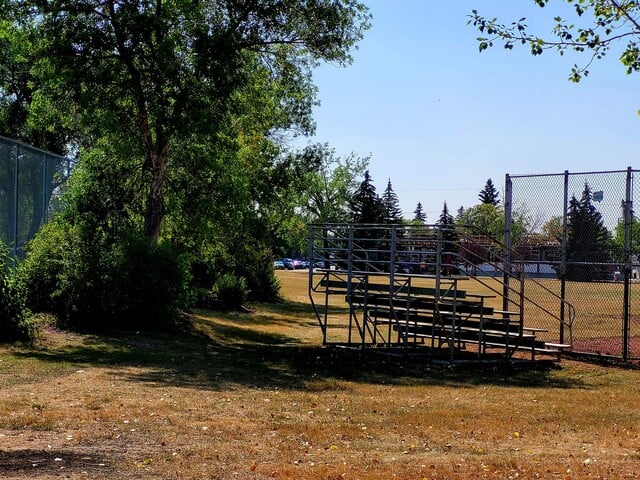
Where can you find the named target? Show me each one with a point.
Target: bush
(96, 280)
(255, 265)
(16, 322)
(41, 271)
(242, 259)
(231, 292)
(149, 282)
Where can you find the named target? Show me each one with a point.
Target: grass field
(254, 396)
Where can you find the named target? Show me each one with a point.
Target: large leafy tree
(26, 115)
(612, 23)
(486, 218)
(312, 185)
(588, 240)
(552, 229)
(165, 70)
(618, 241)
(328, 188)
(180, 106)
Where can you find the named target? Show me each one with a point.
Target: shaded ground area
(251, 396)
(43, 461)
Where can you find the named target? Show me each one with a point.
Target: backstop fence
(30, 185)
(583, 240)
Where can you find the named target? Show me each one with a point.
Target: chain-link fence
(583, 241)
(30, 187)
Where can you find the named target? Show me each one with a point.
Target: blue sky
(439, 118)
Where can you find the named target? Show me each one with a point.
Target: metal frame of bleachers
(415, 290)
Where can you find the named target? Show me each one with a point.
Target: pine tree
(450, 237)
(366, 205)
(393, 212)
(489, 194)
(588, 240)
(418, 215)
(445, 216)
(447, 224)
(367, 208)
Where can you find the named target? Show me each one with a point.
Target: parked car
(278, 264)
(288, 263)
(297, 264)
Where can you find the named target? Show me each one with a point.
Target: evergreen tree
(367, 208)
(445, 217)
(588, 240)
(418, 214)
(489, 194)
(393, 212)
(366, 205)
(446, 224)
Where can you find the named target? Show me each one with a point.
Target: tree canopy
(618, 241)
(612, 23)
(160, 71)
(312, 185)
(26, 114)
(329, 188)
(178, 112)
(486, 218)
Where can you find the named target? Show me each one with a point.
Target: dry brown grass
(252, 396)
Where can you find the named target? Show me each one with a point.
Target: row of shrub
(91, 280)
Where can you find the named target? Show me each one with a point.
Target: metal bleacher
(416, 290)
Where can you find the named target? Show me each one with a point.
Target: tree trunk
(155, 199)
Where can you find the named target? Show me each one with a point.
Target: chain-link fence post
(508, 215)
(563, 252)
(628, 220)
(16, 198)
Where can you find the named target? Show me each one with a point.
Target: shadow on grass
(29, 463)
(225, 355)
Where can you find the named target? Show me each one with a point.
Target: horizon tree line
(366, 206)
(590, 246)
